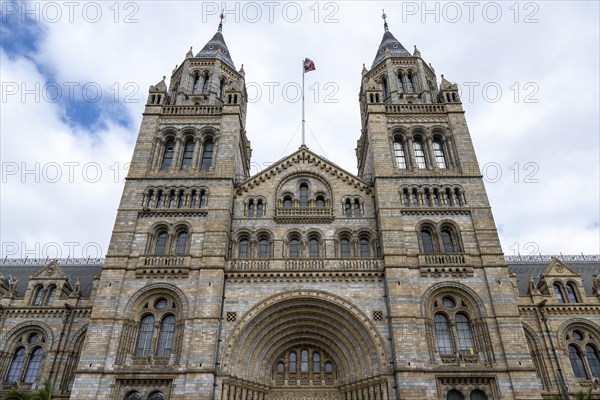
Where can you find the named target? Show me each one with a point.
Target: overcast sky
(75, 77)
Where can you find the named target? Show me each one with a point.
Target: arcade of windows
(442, 238)
(352, 207)
(26, 361)
(44, 296)
(162, 198)
(312, 246)
(304, 198)
(134, 395)
(304, 363)
(406, 83)
(255, 207)
(421, 151)
(583, 354)
(169, 242)
(188, 153)
(433, 197)
(565, 293)
(476, 394)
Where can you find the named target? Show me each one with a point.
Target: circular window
(33, 338)
(577, 335)
(160, 304)
(448, 302)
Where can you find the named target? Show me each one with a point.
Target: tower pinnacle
(384, 16)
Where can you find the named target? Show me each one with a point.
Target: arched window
(133, 396)
(415, 198)
(348, 208)
(399, 154)
(280, 367)
(427, 241)
(384, 88)
(577, 362)
(243, 248)
(38, 297)
(412, 87)
(303, 195)
(438, 153)
(188, 154)
(287, 201)
(263, 247)
(292, 362)
(365, 247)
(419, 154)
(205, 83)
(294, 244)
(313, 247)
(458, 197)
(171, 199)
(447, 241)
(194, 199)
(571, 293)
(328, 368)
(593, 360)
(222, 88)
(207, 154)
(50, 296)
(33, 366)
(465, 334)
(156, 396)
(400, 82)
(166, 336)
(559, 294)
(320, 201)
(159, 199)
(145, 333)
(448, 198)
(180, 199)
(196, 83)
(427, 197)
(478, 395)
(160, 247)
(304, 361)
(202, 198)
(251, 208)
(181, 243)
(442, 334)
(345, 251)
(168, 154)
(405, 198)
(16, 365)
(316, 362)
(436, 197)
(356, 207)
(259, 208)
(454, 395)
(150, 198)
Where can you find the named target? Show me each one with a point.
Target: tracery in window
(27, 357)
(582, 346)
(156, 329)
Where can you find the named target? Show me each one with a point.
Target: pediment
(557, 268)
(50, 271)
(304, 161)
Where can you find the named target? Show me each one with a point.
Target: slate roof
(389, 42)
(87, 269)
(215, 44)
(84, 269)
(523, 267)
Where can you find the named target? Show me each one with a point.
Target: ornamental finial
(384, 16)
(222, 17)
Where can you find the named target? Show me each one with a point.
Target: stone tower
(304, 281)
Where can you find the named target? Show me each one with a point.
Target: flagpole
(303, 73)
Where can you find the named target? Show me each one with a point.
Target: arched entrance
(304, 345)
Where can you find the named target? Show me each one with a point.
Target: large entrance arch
(305, 345)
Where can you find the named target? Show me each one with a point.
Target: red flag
(309, 65)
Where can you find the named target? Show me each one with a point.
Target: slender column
(197, 145)
(176, 162)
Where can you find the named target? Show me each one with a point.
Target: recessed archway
(312, 320)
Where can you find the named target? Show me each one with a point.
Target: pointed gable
(50, 271)
(558, 269)
(304, 161)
